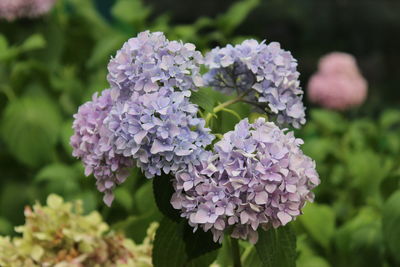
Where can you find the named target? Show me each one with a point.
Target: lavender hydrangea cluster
(159, 130)
(149, 61)
(91, 145)
(146, 117)
(153, 120)
(258, 177)
(266, 74)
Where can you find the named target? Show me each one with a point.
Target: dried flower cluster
(59, 235)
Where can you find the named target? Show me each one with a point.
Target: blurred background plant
(52, 64)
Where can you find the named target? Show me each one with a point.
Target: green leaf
(360, 235)
(5, 227)
(3, 44)
(89, 15)
(35, 41)
(163, 191)
(57, 171)
(319, 221)
(66, 80)
(312, 261)
(319, 148)
(104, 48)
(175, 244)
(14, 196)
(236, 14)
(4, 49)
(204, 99)
(204, 260)
(390, 118)
(307, 257)
(277, 247)
(89, 200)
(226, 121)
(390, 142)
(130, 11)
(359, 134)
(60, 179)
(169, 247)
(225, 253)
(57, 41)
(367, 169)
(135, 227)
(232, 112)
(66, 133)
(22, 71)
(124, 197)
(144, 198)
(30, 129)
(199, 243)
(250, 258)
(390, 226)
(337, 174)
(328, 120)
(391, 183)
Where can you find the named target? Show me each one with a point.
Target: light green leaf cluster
(60, 235)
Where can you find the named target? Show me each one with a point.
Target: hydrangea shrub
(231, 183)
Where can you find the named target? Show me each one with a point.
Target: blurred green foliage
(50, 66)
(355, 219)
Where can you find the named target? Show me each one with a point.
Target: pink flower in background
(14, 9)
(338, 84)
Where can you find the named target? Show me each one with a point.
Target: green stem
(223, 106)
(235, 253)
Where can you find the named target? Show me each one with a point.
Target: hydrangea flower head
(338, 84)
(258, 177)
(267, 72)
(149, 61)
(159, 130)
(13, 9)
(146, 117)
(89, 145)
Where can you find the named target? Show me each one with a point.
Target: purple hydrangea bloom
(146, 117)
(258, 176)
(267, 72)
(159, 130)
(149, 61)
(89, 145)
